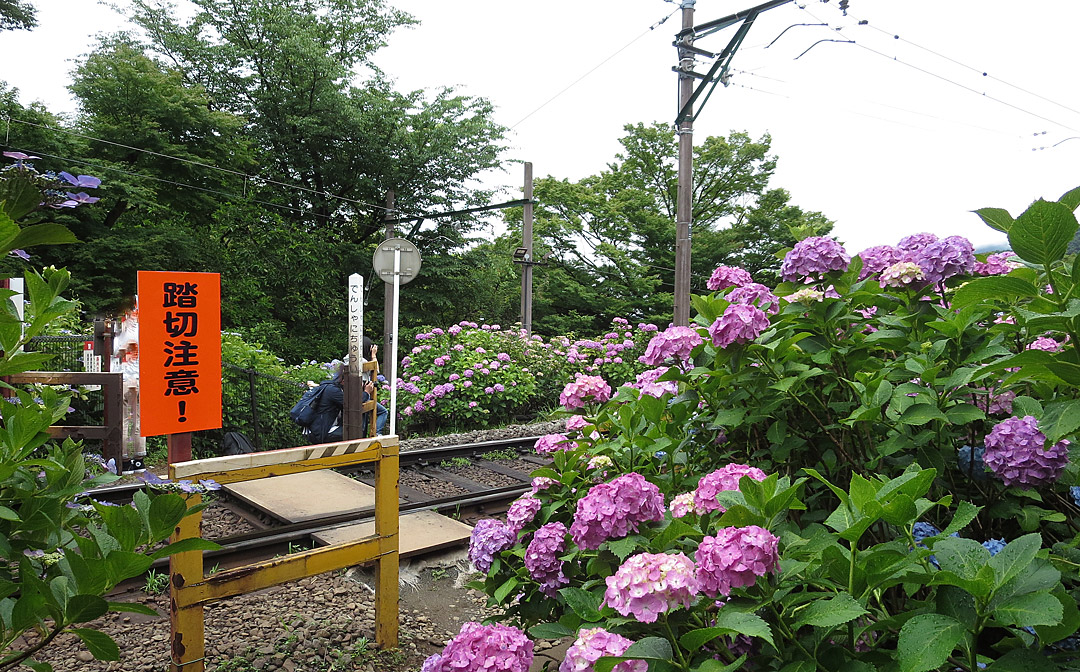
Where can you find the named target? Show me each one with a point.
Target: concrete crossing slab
(418, 532)
(297, 498)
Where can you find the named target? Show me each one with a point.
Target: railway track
(472, 497)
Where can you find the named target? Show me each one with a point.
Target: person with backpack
(319, 410)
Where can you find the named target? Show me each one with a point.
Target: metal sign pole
(394, 346)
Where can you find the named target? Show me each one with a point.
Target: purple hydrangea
(646, 382)
(584, 389)
(489, 537)
(740, 323)
(682, 505)
(813, 257)
(594, 643)
(674, 342)
(996, 264)
(650, 584)
(522, 511)
(902, 274)
(549, 443)
(728, 276)
(484, 648)
(725, 478)
(614, 510)
(755, 294)
(1016, 452)
(994, 402)
(915, 242)
(542, 557)
(877, 258)
(1045, 344)
(542, 483)
(946, 258)
(734, 558)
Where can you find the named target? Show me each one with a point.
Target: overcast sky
(897, 133)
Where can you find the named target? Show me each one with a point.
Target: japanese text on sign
(180, 368)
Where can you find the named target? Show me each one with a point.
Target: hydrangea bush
(874, 476)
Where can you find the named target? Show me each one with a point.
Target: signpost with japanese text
(180, 360)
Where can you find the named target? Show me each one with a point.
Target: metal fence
(253, 403)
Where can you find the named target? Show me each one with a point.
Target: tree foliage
(17, 14)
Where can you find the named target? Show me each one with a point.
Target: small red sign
(179, 352)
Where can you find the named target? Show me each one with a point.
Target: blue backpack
(304, 412)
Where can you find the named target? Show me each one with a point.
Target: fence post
(254, 408)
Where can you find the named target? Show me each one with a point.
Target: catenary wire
(594, 69)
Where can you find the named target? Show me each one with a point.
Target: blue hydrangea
(1075, 492)
(963, 461)
(923, 530)
(994, 546)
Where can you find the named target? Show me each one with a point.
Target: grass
(496, 455)
(455, 462)
(155, 583)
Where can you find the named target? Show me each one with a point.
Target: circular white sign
(383, 261)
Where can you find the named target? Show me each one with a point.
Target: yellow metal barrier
(189, 591)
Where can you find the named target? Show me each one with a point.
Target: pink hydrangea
(876, 259)
(542, 483)
(489, 537)
(614, 510)
(902, 274)
(594, 643)
(739, 324)
(996, 264)
(1016, 452)
(583, 390)
(646, 382)
(813, 257)
(682, 504)
(522, 511)
(1000, 402)
(650, 584)
(728, 276)
(755, 294)
(484, 648)
(1045, 344)
(542, 557)
(724, 478)
(734, 558)
(549, 443)
(674, 342)
(576, 423)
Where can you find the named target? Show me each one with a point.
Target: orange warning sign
(180, 352)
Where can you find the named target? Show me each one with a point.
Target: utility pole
(684, 202)
(527, 267)
(388, 291)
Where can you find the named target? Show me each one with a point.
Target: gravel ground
(321, 623)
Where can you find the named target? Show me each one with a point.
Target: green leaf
(1041, 235)
(1071, 198)
(926, 640)
(993, 288)
(963, 413)
(43, 234)
(132, 608)
(920, 414)
(550, 631)
(190, 544)
(1015, 557)
(965, 513)
(962, 556)
(42, 667)
(649, 648)
(744, 623)
(100, 645)
(503, 591)
(1067, 371)
(582, 602)
(713, 665)
(830, 613)
(83, 608)
(8, 514)
(1022, 660)
(1029, 609)
(166, 511)
(1070, 620)
(1060, 419)
(996, 218)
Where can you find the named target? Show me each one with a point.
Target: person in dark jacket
(327, 426)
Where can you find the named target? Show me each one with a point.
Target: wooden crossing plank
(296, 498)
(418, 532)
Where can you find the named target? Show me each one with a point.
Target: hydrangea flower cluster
(576, 423)
(542, 483)
(909, 245)
(728, 276)
(185, 486)
(585, 389)
(876, 259)
(740, 323)
(646, 382)
(755, 294)
(995, 402)
(484, 648)
(522, 511)
(594, 643)
(549, 443)
(963, 461)
(943, 259)
(1016, 452)
(489, 536)
(542, 557)
(724, 478)
(734, 558)
(674, 343)
(1045, 344)
(614, 510)
(902, 274)
(813, 257)
(650, 584)
(682, 504)
(805, 296)
(995, 546)
(996, 264)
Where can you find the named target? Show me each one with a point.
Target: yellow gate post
(188, 642)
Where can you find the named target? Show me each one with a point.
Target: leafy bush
(912, 501)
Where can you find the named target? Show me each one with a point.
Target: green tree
(17, 14)
(611, 235)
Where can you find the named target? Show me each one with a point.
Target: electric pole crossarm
(717, 71)
(720, 24)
